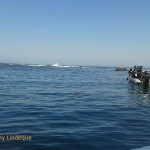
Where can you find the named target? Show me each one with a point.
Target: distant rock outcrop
(121, 69)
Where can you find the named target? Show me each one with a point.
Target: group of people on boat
(138, 73)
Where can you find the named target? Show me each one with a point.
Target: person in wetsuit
(130, 72)
(146, 77)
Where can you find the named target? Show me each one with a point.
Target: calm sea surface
(72, 108)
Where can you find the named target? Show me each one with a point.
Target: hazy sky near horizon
(75, 32)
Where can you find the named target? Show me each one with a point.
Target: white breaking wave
(36, 65)
(55, 65)
(65, 66)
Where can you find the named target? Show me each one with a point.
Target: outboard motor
(146, 77)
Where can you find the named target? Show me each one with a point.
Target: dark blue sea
(72, 108)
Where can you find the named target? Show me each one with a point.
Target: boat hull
(135, 80)
(143, 148)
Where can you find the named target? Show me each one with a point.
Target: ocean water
(72, 108)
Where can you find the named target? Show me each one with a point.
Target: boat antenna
(139, 62)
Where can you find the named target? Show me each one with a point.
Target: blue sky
(75, 32)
